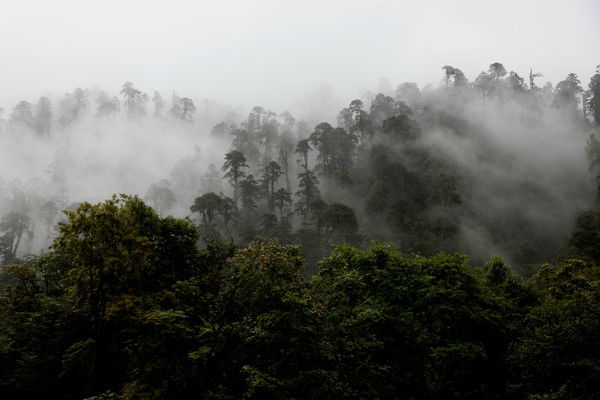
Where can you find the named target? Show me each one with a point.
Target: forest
(420, 243)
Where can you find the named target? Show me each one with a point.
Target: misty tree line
(368, 177)
(39, 117)
(373, 155)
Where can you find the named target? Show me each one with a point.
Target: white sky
(274, 52)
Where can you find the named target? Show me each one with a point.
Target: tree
(423, 327)
(496, 71)
(308, 193)
(515, 82)
(234, 162)
(335, 151)
(382, 108)
(108, 107)
(484, 83)
(456, 74)
(408, 92)
(227, 211)
(187, 108)
(585, 239)
(268, 222)
(222, 130)
(400, 127)
(269, 135)
(302, 149)
(22, 115)
(72, 106)
(208, 205)
(448, 72)
(593, 103)
(247, 142)
(288, 120)
(43, 116)
(133, 100)
(121, 257)
(356, 121)
(13, 226)
(286, 146)
(566, 95)
(175, 110)
(263, 280)
(270, 178)
(556, 354)
(532, 86)
(250, 192)
(159, 104)
(49, 211)
(282, 199)
(340, 220)
(210, 181)
(161, 196)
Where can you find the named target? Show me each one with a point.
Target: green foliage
(593, 94)
(558, 355)
(126, 306)
(585, 241)
(412, 325)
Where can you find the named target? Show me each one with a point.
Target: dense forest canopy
(427, 243)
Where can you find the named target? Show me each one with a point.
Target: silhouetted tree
(234, 163)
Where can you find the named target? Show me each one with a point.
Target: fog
(274, 53)
(514, 160)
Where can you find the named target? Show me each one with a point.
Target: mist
(518, 164)
(273, 53)
(512, 163)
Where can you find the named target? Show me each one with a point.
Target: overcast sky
(274, 52)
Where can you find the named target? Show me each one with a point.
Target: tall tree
(222, 130)
(288, 120)
(335, 151)
(282, 199)
(233, 168)
(515, 82)
(382, 108)
(454, 74)
(175, 110)
(133, 100)
(13, 226)
(208, 205)
(285, 148)
(43, 116)
(302, 149)
(308, 194)
(159, 104)
(484, 83)
(270, 178)
(356, 121)
(161, 196)
(210, 181)
(566, 95)
(187, 108)
(250, 191)
(532, 86)
(496, 71)
(247, 142)
(593, 103)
